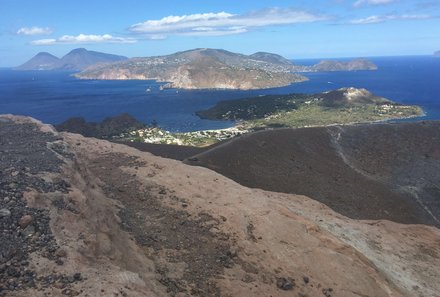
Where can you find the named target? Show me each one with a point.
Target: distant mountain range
(437, 54)
(78, 59)
(216, 68)
(201, 68)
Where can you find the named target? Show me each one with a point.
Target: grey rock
(4, 213)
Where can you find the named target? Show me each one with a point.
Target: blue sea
(55, 96)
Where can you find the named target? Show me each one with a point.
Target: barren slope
(132, 224)
(366, 171)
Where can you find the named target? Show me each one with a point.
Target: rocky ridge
(131, 224)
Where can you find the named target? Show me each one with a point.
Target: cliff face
(97, 218)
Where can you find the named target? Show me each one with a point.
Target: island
(76, 60)
(437, 54)
(200, 69)
(333, 65)
(206, 68)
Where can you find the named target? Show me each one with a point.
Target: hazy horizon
(322, 29)
(289, 58)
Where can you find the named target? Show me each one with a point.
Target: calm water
(55, 96)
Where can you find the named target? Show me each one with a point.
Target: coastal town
(202, 138)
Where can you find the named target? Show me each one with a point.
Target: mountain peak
(78, 51)
(41, 61)
(44, 54)
(76, 59)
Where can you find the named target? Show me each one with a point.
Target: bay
(53, 97)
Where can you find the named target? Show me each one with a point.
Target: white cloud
(375, 19)
(359, 3)
(223, 23)
(215, 32)
(34, 31)
(83, 39)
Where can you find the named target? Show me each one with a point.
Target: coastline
(167, 84)
(204, 138)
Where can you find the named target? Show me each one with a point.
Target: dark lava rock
(306, 279)
(285, 283)
(327, 292)
(25, 153)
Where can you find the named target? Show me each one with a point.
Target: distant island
(437, 54)
(217, 69)
(77, 60)
(201, 68)
(332, 65)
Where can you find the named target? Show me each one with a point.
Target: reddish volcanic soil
(87, 217)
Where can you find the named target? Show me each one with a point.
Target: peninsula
(341, 106)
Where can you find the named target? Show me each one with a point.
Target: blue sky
(294, 29)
